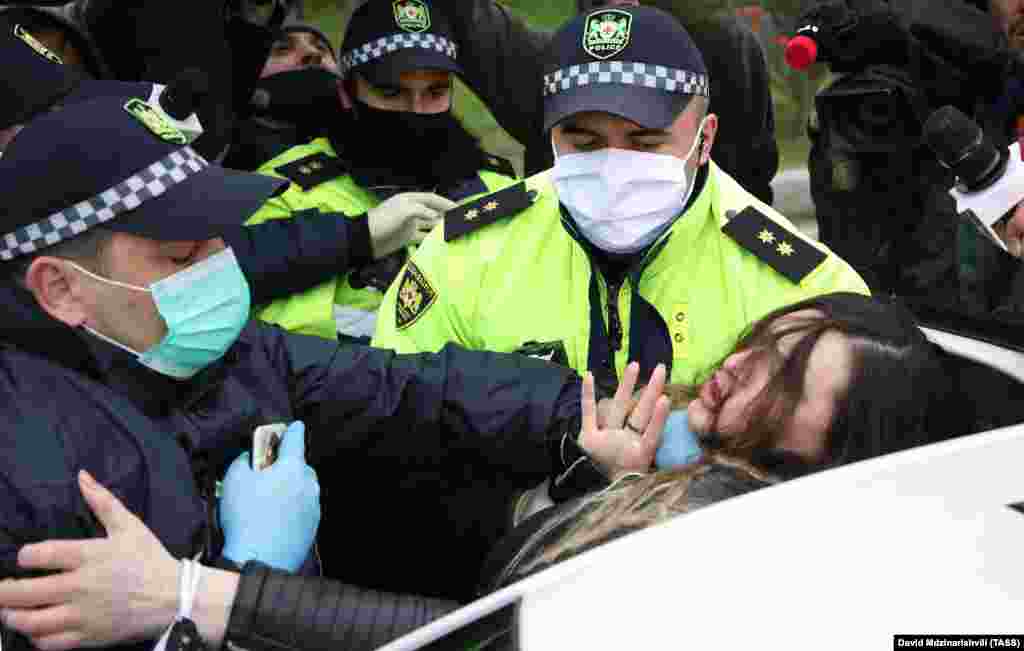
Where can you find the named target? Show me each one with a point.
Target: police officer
(293, 101)
(59, 29)
(635, 246)
(278, 258)
(401, 156)
(32, 80)
(126, 349)
(504, 58)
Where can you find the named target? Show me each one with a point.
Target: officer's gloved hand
(404, 219)
(272, 515)
(679, 444)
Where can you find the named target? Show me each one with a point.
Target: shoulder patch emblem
(22, 34)
(607, 33)
(776, 246)
(551, 351)
(155, 122)
(415, 296)
(486, 210)
(311, 171)
(412, 15)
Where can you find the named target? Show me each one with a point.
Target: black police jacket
(70, 401)
(503, 60)
(282, 257)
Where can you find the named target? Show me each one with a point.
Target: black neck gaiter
(402, 148)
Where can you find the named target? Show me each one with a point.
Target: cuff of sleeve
(247, 599)
(360, 247)
(579, 475)
(225, 563)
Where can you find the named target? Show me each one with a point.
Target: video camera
(898, 62)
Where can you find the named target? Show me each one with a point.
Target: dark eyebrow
(386, 88)
(648, 133)
(575, 129)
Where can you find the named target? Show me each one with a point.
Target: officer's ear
(707, 138)
(346, 91)
(58, 289)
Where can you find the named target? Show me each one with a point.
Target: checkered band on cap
(647, 75)
(387, 44)
(129, 194)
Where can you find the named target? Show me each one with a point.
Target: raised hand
(628, 438)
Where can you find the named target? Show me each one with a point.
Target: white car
(926, 541)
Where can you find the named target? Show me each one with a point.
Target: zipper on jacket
(614, 322)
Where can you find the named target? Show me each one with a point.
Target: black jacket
(520, 553)
(70, 401)
(282, 257)
(503, 60)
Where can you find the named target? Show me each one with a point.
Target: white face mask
(623, 200)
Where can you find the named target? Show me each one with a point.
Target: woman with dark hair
(827, 381)
(832, 379)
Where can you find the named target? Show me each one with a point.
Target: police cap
(62, 19)
(590, 5)
(385, 39)
(32, 78)
(634, 62)
(116, 162)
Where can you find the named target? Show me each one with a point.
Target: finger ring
(630, 427)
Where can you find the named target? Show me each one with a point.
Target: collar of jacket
(25, 327)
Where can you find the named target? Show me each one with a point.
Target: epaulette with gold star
(485, 210)
(311, 171)
(775, 245)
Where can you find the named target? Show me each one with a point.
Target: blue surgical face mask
(205, 308)
(679, 444)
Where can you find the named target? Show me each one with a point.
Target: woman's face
(727, 402)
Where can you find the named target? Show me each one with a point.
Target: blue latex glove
(272, 515)
(678, 444)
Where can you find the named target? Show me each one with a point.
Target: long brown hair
(895, 386)
(896, 380)
(638, 501)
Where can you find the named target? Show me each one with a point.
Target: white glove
(403, 219)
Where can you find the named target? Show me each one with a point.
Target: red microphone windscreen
(801, 51)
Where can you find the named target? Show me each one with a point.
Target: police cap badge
(155, 122)
(22, 34)
(607, 33)
(412, 15)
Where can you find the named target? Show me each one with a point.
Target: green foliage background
(792, 92)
